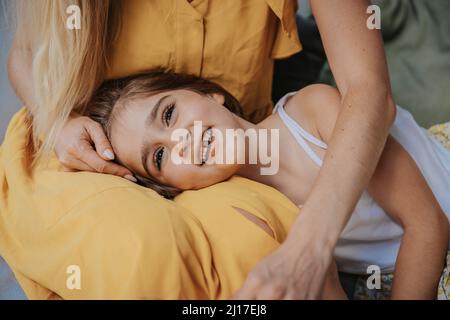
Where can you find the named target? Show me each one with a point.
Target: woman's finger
(271, 292)
(77, 165)
(244, 294)
(92, 159)
(101, 142)
(249, 290)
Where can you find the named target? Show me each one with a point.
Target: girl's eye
(158, 157)
(167, 114)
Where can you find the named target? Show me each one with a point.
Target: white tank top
(371, 237)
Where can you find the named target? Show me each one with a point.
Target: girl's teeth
(207, 139)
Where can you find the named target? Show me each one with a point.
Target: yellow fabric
(232, 43)
(128, 241)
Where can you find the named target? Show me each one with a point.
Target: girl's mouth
(207, 143)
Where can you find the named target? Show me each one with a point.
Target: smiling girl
(401, 221)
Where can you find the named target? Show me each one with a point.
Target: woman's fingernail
(131, 178)
(108, 154)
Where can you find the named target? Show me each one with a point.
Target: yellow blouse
(232, 43)
(127, 241)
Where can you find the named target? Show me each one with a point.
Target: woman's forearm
(20, 74)
(367, 111)
(353, 152)
(420, 261)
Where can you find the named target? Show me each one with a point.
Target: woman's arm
(20, 76)
(400, 189)
(357, 59)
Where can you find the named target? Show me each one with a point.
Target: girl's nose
(182, 151)
(180, 142)
(182, 145)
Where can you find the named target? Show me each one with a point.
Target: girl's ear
(219, 98)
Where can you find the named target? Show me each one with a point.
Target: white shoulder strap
(298, 132)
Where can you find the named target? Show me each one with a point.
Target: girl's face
(146, 131)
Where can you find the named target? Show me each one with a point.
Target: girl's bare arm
(332, 289)
(401, 190)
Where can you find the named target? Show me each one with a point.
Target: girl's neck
(270, 151)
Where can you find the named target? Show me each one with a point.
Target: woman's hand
(83, 145)
(296, 270)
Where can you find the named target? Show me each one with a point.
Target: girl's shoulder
(316, 108)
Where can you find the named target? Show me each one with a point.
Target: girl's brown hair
(114, 93)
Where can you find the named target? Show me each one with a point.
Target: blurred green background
(416, 34)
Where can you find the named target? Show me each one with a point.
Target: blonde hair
(68, 65)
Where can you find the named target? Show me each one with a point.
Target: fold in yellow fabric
(126, 241)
